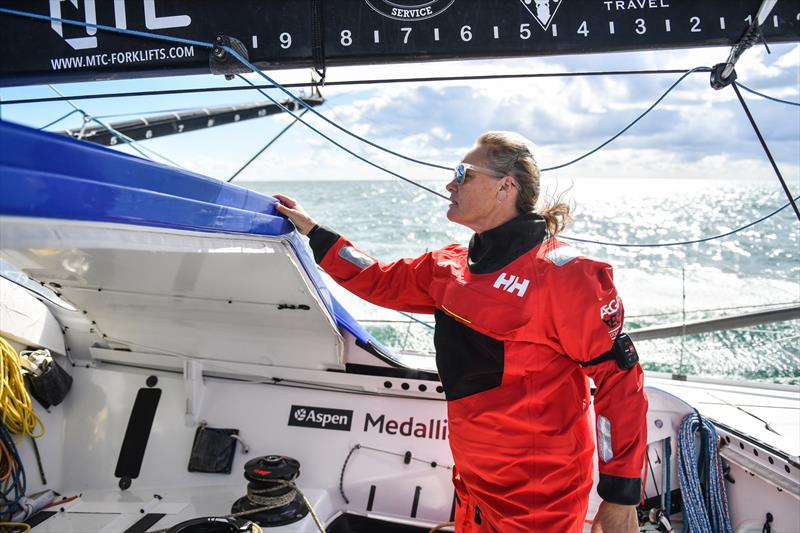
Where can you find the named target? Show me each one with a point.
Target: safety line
(266, 146)
(762, 95)
(767, 151)
(377, 81)
(681, 243)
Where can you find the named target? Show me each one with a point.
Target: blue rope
(15, 486)
(681, 243)
(60, 119)
(637, 119)
(762, 95)
(705, 508)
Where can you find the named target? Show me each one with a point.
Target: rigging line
(629, 126)
(241, 59)
(257, 71)
(59, 119)
(291, 95)
(706, 309)
(115, 133)
(665, 244)
(377, 81)
(767, 151)
(87, 117)
(357, 156)
(762, 95)
(266, 146)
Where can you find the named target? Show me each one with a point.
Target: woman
(521, 321)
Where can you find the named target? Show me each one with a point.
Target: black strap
(608, 356)
(622, 351)
(318, 39)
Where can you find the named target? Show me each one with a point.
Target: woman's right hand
(289, 208)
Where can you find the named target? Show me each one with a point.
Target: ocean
(753, 270)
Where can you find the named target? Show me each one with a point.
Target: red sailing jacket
(516, 314)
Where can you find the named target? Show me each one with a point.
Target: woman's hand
(289, 208)
(615, 518)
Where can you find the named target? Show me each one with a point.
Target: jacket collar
(495, 248)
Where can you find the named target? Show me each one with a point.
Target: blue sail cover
(45, 175)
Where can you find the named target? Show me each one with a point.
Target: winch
(271, 491)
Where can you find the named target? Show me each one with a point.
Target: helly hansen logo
(511, 283)
(320, 417)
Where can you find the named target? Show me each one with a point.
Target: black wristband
(321, 241)
(312, 230)
(620, 490)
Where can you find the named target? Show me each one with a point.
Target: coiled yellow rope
(15, 402)
(24, 528)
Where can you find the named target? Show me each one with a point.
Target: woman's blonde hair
(511, 154)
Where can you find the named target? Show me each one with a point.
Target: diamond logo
(542, 10)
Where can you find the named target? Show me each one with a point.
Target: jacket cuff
(321, 239)
(620, 490)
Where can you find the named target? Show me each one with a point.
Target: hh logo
(545, 10)
(510, 284)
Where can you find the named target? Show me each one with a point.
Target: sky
(696, 132)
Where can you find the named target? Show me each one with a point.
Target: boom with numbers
(320, 33)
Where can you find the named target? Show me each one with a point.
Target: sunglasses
(460, 174)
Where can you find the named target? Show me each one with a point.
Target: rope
(680, 243)
(15, 402)
(266, 146)
(767, 151)
(121, 136)
(24, 528)
(12, 473)
(283, 89)
(378, 81)
(629, 126)
(255, 69)
(433, 464)
(705, 507)
(762, 95)
(59, 119)
(329, 139)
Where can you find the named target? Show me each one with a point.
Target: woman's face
(474, 202)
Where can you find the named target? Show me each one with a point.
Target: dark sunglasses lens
(460, 174)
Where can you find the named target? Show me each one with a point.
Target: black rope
(266, 146)
(766, 150)
(350, 82)
(341, 474)
(318, 39)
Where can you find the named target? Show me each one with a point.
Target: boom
(319, 33)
